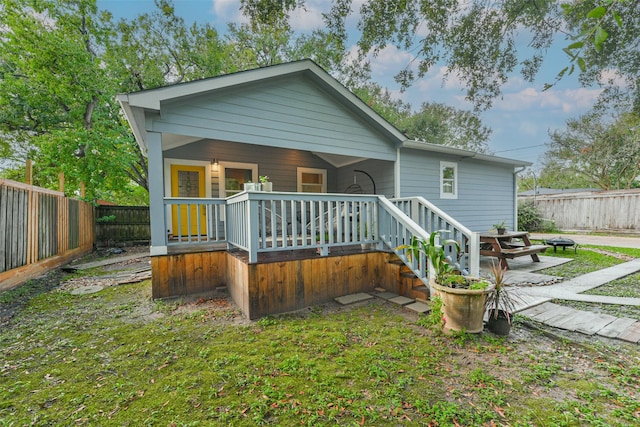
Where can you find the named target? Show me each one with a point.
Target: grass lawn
(118, 358)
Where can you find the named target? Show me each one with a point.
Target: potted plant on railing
(500, 303)
(463, 297)
(266, 184)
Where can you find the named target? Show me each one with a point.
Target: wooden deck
(280, 281)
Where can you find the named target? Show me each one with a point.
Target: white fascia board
(152, 98)
(437, 148)
(135, 118)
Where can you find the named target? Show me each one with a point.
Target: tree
(54, 92)
(62, 63)
(606, 154)
(479, 41)
(434, 123)
(607, 51)
(442, 124)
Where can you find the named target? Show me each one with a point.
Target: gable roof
(136, 104)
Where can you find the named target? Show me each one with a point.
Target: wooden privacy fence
(40, 229)
(122, 224)
(604, 210)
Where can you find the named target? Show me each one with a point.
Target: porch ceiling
(171, 140)
(337, 160)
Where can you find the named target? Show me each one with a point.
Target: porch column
(155, 176)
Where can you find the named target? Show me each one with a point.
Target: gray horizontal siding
(291, 113)
(380, 171)
(279, 164)
(485, 190)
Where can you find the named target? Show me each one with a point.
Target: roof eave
(437, 148)
(138, 132)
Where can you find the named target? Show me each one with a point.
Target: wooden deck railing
(265, 222)
(39, 229)
(430, 218)
(194, 220)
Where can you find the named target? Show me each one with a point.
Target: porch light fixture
(215, 165)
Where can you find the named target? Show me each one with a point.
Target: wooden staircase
(409, 285)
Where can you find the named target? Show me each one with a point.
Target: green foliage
(57, 98)
(603, 39)
(435, 319)
(605, 153)
(529, 217)
(443, 265)
(106, 218)
(445, 125)
(433, 123)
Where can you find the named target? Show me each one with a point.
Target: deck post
(157, 211)
(414, 208)
(474, 254)
(252, 228)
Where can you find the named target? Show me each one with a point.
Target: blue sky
(520, 119)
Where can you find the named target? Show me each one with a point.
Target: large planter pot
(499, 325)
(463, 309)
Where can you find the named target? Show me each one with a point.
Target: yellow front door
(188, 181)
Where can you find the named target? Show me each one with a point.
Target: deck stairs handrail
(431, 218)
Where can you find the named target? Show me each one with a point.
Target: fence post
(28, 175)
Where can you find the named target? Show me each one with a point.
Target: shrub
(529, 217)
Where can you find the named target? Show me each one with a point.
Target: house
(316, 141)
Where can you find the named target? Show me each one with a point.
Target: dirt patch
(617, 255)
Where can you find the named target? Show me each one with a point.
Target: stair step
(396, 261)
(418, 307)
(421, 288)
(408, 274)
(386, 295)
(402, 301)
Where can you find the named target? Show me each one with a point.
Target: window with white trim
(312, 180)
(448, 180)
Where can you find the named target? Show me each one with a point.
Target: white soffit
(172, 140)
(337, 160)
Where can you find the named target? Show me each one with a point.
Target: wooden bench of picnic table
(503, 247)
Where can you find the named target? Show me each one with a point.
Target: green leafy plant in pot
(500, 303)
(463, 297)
(501, 227)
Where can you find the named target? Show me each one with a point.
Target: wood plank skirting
(272, 287)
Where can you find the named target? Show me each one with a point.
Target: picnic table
(508, 246)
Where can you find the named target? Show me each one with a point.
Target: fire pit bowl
(563, 242)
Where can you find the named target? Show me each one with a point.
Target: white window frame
(234, 165)
(443, 194)
(322, 172)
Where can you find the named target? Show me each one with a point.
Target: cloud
(390, 61)
(227, 11)
(303, 19)
(613, 77)
(309, 17)
(569, 101)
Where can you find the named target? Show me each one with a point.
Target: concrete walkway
(534, 302)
